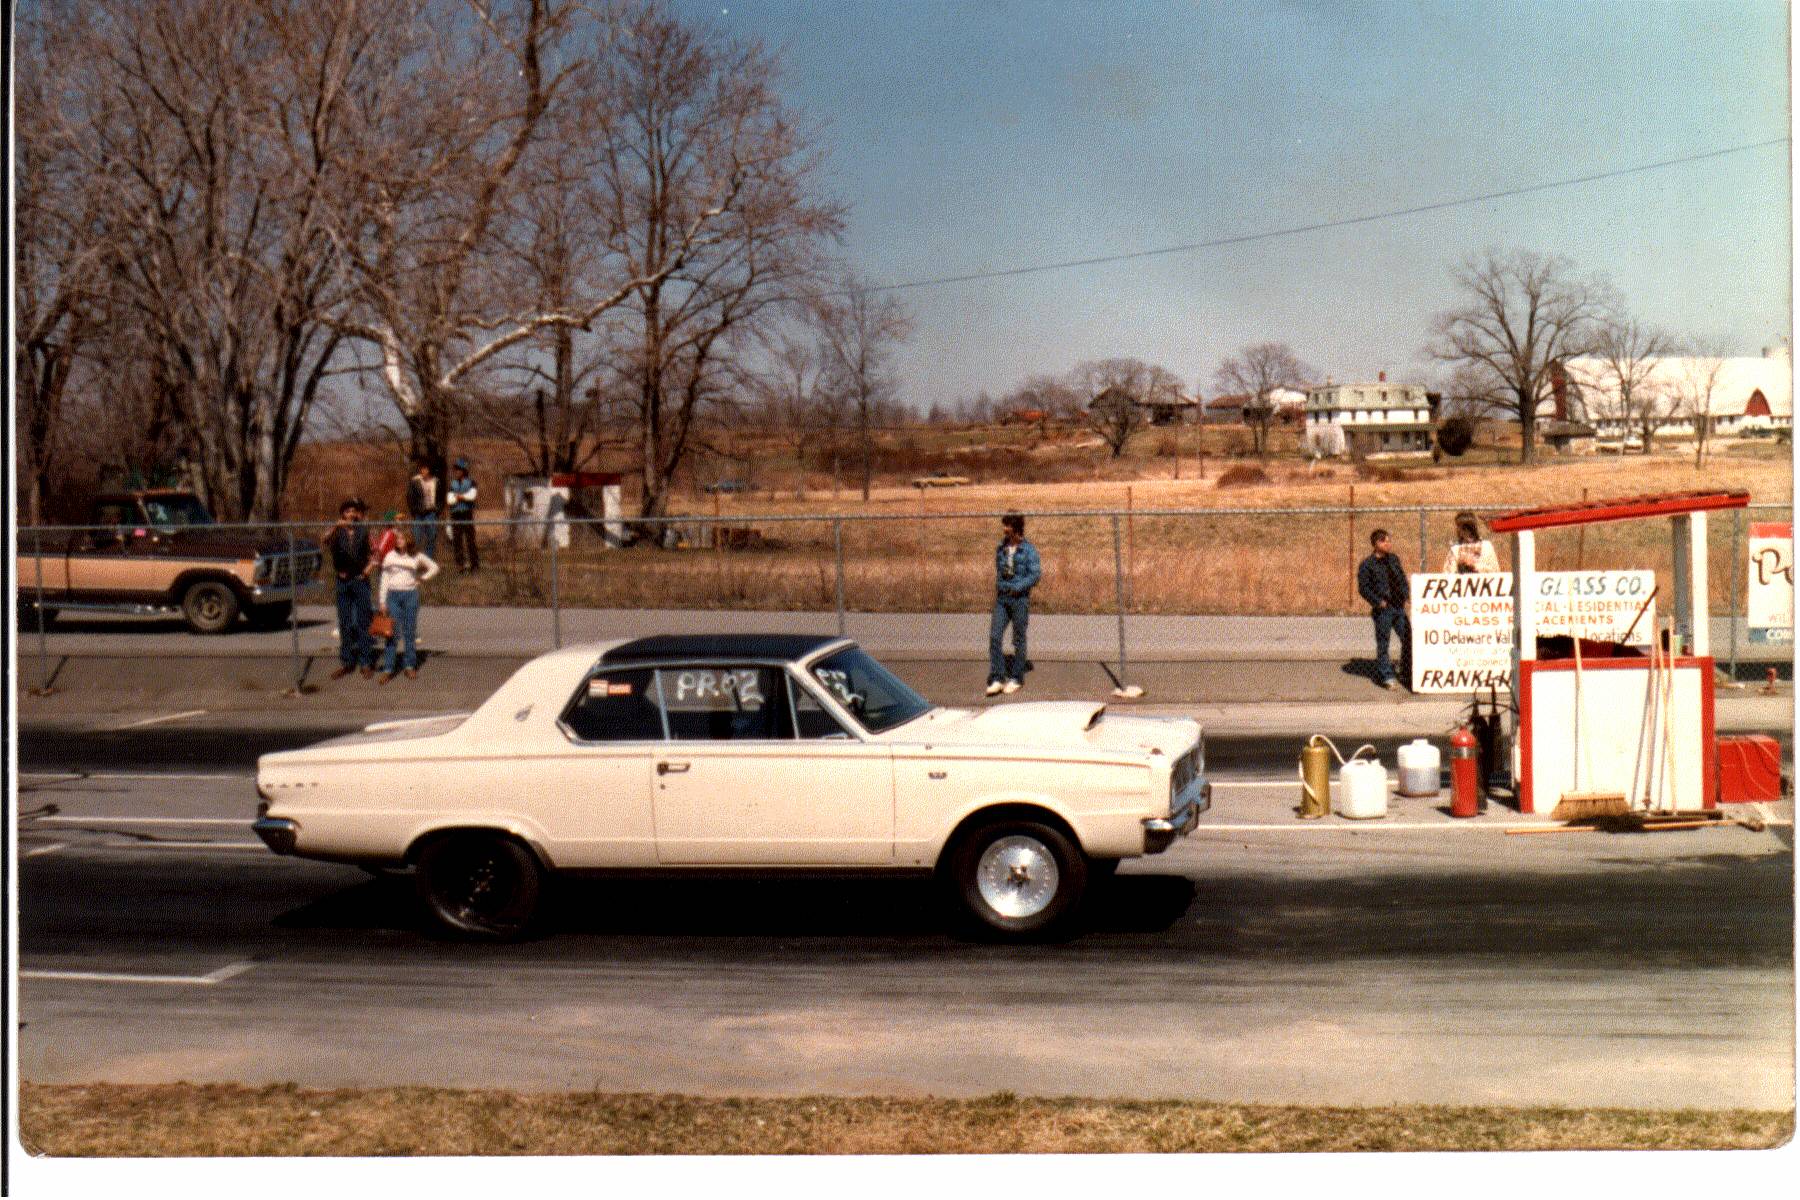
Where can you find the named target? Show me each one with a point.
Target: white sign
(1771, 605)
(1462, 624)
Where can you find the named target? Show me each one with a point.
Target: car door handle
(670, 768)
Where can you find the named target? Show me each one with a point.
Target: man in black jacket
(347, 546)
(1381, 580)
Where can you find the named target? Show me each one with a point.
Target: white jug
(1362, 789)
(1419, 768)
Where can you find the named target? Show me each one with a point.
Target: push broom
(1579, 805)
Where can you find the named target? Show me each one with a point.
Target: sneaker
(1392, 685)
(1011, 686)
(341, 672)
(993, 689)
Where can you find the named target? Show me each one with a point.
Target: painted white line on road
(213, 977)
(99, 777)
(195, 712)
(73, 819)
(52, 848)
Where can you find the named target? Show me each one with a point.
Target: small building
(1290, 407)
(1163, 410)
(1370, 419)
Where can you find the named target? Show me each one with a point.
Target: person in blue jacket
(1016, 571)
(1381, 580)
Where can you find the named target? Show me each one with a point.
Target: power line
(1267, 235)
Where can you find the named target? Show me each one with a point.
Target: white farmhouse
(1374, 418)
(1738, 394)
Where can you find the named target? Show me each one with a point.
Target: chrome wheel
(1017, 876)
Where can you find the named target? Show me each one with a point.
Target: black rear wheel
(482, 886)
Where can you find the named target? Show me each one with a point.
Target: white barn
(1748, 393)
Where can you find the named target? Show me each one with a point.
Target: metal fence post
(837, 539)
(1422, 551)
(555, 597)
(294, 608)
(1119, 588)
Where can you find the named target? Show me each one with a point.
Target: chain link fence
(1260, 562)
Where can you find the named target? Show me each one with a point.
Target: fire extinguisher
(1465, 789)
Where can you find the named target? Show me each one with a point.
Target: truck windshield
(869, 690)
(168, 512)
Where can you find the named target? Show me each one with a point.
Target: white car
(738, 753)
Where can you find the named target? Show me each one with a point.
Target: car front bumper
(1160, 832)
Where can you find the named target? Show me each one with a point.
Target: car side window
(616, 706)
(810, 717)
(719, 704)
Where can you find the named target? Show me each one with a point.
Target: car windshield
(871, 692)
(167, 512)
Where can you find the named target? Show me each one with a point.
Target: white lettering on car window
(739, 688)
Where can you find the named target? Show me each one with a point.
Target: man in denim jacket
(1381, 580)
(1016, 572)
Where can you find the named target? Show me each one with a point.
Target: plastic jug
(1362, 789)
(1419, 768)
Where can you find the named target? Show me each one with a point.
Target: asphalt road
(1412, 959)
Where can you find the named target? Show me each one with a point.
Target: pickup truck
(158, 551)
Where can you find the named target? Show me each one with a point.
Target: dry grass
(932, 550)
(221, 1120)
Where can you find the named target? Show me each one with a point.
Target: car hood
(1070, 724)
(213, 542)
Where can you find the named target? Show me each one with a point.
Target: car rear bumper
(1160, 832)
(278, 833)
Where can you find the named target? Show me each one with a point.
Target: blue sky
(992, 134)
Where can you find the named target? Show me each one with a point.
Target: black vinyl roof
(671, 646)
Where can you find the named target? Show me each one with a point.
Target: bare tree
(1258, 371)
(208, 133)
(1523, 315)
(1120, 393)
(707, 183)
(1629, 355)
(798, 398)
(1696, 385)
(59, 264)
(862, 327)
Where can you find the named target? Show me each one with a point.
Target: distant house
(1379, 418)
(1164, 410)
(1290, 406)
(1749, 394)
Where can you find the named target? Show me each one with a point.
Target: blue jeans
(425, 528)
(354, 608)
(1392, 620)
(1015, 610)
(403, 607)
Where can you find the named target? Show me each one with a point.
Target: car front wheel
(1018, 878)
(209, 607)
(479, 886)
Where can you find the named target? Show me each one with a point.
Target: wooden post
(1352, 543)
(1581, 539)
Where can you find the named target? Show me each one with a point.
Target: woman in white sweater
(402, 571)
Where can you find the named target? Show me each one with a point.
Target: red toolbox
(1749, 768)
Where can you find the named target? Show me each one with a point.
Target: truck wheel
(1018, 878)
(270, 616)
(479, 886)
(209, 606)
